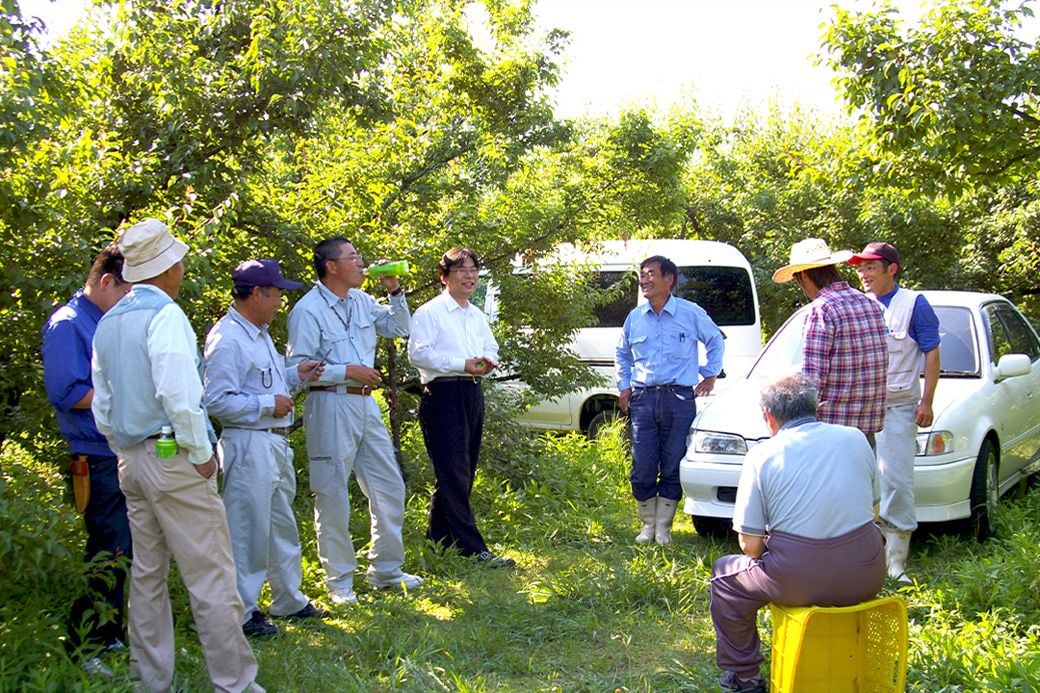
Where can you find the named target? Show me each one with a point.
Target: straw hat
(807, 254)
(149, 249)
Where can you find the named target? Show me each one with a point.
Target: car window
(1020, 337)
(622, 299)
(724, 292)
(999, 339)
(957, 354)
(783, 353)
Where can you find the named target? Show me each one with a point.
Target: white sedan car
(984, 439)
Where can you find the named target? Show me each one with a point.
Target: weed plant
(585, 609)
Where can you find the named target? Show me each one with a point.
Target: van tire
(602, 420)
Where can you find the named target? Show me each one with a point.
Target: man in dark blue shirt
(67, 350)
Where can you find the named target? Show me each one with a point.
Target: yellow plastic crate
(847, 648)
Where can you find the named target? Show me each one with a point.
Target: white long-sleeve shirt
(445, 334)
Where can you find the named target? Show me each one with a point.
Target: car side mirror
(1011, 365)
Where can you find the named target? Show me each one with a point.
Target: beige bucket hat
(807, 254)
(149, 249)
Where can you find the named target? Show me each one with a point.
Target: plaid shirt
(845, 353)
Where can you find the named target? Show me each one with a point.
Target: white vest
(904, 355)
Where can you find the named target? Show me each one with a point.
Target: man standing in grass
(452, 348)
(913, 338)
(67, 349)
(146, 379)
(248, 389)
(844, 350)
(658, 370)
(337, 323)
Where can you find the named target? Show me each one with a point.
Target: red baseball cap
(877, 251)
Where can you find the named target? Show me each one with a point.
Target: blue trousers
(108, 531)
(660, 420)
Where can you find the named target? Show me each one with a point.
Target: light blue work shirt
(244, 372)
(342, 331)
(661, 349)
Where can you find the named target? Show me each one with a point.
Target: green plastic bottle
(166, 445)
(388, 269)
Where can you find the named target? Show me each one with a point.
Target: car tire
(985, 489)
(602, 420)
(712, 527)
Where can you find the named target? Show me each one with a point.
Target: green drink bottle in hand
(388, 269)
(166, 445)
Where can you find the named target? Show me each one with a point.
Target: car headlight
(713, 443)
(934, 443)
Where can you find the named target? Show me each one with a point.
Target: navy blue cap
(262, 273)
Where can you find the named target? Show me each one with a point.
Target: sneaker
(492, 561)
(258, 626)
(342, 596)
(401, 580)
(728, 681)
(308, 611)
(94, 665)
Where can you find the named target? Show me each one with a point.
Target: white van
(715, 275)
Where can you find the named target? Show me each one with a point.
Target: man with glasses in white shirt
(337, 323)
(452, 348)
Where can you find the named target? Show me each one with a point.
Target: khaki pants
(174, 512)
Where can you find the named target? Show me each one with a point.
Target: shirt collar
(885, 298)
(451, 303)
(798, 422)
(329, 295)
(251, 329)
(669, 306)
(86, 305)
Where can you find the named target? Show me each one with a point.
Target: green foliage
(950, 104)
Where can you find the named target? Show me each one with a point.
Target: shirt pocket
(641, 348)
(364, 333)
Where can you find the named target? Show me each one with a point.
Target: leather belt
(364, 390)
(671, 387)
(456, 379)
(278, 430)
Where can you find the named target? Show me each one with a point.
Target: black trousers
(451, 415)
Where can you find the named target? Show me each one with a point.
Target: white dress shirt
(445, 334)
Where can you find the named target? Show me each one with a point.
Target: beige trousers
(175, 512)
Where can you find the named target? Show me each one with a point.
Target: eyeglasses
(465, 270)
(354, 257)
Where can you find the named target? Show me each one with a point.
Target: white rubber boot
(897, 549)
(665, 515)
(648, 514)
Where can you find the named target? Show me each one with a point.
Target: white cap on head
(149, 249)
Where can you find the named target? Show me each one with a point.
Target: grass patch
(586, 609)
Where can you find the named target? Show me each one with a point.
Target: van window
(614, 312)
(724, 292)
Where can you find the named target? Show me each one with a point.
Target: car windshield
(783, 353)
(958, 355)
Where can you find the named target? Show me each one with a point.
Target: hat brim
(169, 257)
(785, 274)
(865, 257)
(288, 285)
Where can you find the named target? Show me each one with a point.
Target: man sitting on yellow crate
(804, 517)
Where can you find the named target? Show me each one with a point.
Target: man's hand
(208, 468)
(390, 283)
(623, 399)
(923, 414)
(480, 365)
(282, 405)
(310, 370)
(705, 387)
(364, 375)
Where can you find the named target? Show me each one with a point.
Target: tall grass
(586, 609)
